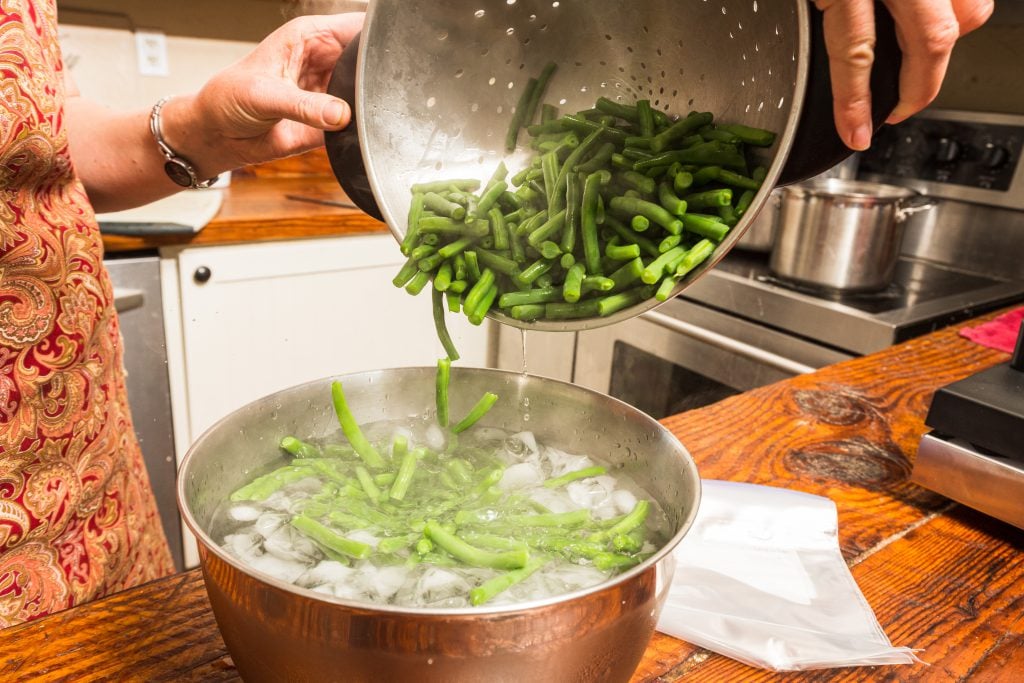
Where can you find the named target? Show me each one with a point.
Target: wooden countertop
(256, 208)
(939, 576)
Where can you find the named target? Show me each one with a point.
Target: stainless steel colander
(436, 84)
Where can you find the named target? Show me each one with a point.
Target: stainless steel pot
(433, 89)
(760, 232)
(842, 234)
(279, 632)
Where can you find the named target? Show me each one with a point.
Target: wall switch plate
(151, 50)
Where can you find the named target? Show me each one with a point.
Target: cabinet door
(262, 317)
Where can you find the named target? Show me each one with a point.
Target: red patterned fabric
(77, 516)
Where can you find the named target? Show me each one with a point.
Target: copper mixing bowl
(279, 632)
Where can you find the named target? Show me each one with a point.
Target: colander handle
(343, 145)
(817, 146)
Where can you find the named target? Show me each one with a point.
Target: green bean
(632, 520)
(466, 185)
(451, 226)
(752, 136)
(597, 283)
(261, 487)
(549, 229)
(728, 215)
(680, 129)
(620, 161)
(556, 126)
(625, 252)
(573, 201)
(366, 481)
(637, 181)
(704, 154)
(719, 134)
(670, 201)
(549, 167)
(472, 265)
(573, 283)
(538, 92)
(497, 263)
(336, 450)
(412, 224)
(477, 315)
(548, 112)
(527, 312)
(654, 212)
(329, 539)
(567, 260)
(532, 223)
(645, 116)
(682, 181)
(743, 203)
(441, 327)
(599, 160)
(637, 154)
(550, 250)
(519, 116)
(622, 111)
(450, 543)
(655, 270)
(405, 273)
(565, 311)
(666, 288)
(443, 207)
(588, 223)
(705, 175)
(476, 294)
(418, 282)
(705, 226)
(709, 199)
(350, 428)
(574, 518)
(562, 181)
(457, 287)
(609, 561)
(575, 475)
(405, 471)
(516, 243)
(630, 235)
(493, 541)
(695, 256)
(478, 411)
(490, 198)
(430, 263)
(459, 264)
(454, 301)
(628, 273)
(727, 177)
(393, 544)
(431, 239)
(521, 177)
(533, 271)
(616, 302)
(759, 174)
(492, 587)
(582, 125)
(499, 229)
(530, 296)
(422, 251)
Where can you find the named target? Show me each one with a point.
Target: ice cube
(521, 475)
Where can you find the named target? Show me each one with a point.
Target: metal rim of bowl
(784, 143)
(204, 539)
(857, 190)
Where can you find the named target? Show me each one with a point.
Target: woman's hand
(926, 31)
(270, 104)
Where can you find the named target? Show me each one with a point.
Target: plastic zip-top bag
(760, 578)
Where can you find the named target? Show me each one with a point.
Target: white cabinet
(272, 315)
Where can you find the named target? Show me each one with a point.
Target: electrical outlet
(151, 50)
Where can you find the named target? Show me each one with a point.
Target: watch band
(178, 169)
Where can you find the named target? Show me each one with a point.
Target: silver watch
(177, 168)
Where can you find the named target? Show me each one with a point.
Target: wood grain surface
(939, 577)
(256, 209)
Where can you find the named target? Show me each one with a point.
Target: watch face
(178, 172)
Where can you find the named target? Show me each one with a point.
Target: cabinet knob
(202, 274)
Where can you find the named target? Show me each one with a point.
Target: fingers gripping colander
(435, 86)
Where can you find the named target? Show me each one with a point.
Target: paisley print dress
(77, 516)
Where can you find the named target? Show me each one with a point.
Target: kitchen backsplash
(104, 64)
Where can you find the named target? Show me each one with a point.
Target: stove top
(924, 296)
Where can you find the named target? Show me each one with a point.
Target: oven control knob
(948, 150)
(994, 156)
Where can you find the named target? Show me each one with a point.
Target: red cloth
(1000, 333)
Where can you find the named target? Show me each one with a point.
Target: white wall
(103, 63)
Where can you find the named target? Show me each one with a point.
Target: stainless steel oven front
(685, 355)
